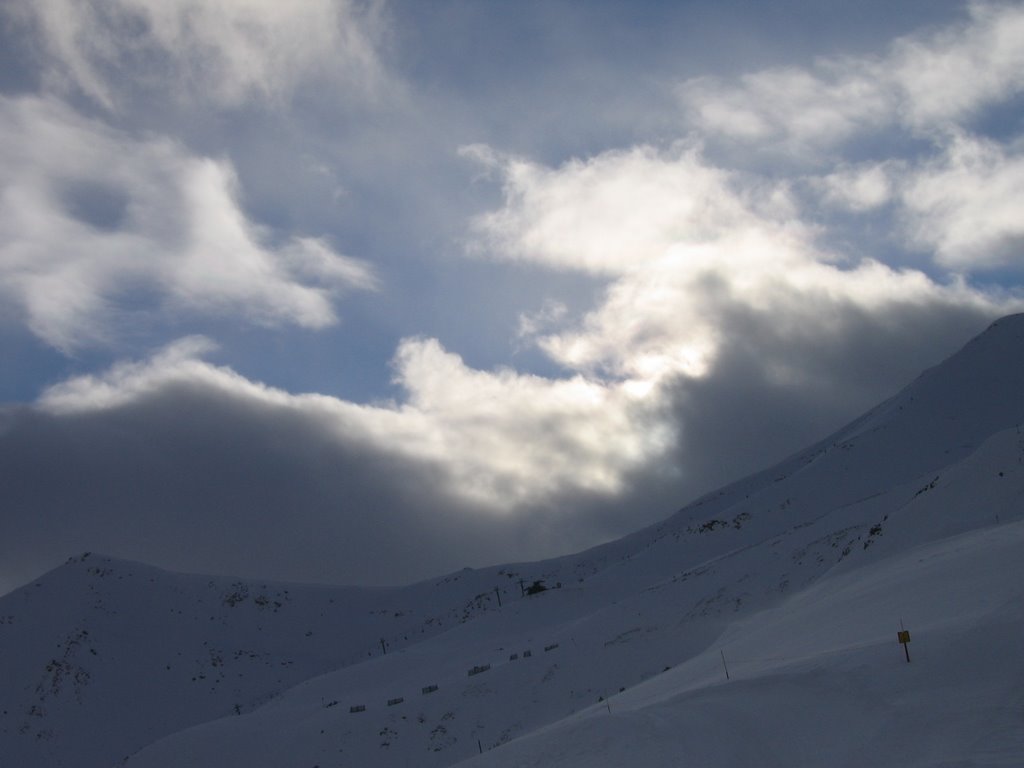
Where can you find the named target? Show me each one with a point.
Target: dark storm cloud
(744, 414)
(195, 476)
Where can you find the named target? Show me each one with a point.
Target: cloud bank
(684, 245)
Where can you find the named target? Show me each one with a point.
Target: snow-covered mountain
(795, 579)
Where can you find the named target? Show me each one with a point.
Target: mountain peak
(969, 396)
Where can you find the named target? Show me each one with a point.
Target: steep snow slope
(942, 458)
(602, 646)
(821, 680)
(930, 463)
(102, 656)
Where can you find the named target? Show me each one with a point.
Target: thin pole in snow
(904, 637)
(498, 593)
(724, 665)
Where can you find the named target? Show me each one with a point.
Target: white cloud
(497, 439)
(925, 82)
(508, 437)
(91, 215)
(612, 214)
(801, 110)
(858, 188)
(684, 246)
(967, 205)
(956, 196)
(222, 51)
(533, 324)
(954, 73)
(127, 381)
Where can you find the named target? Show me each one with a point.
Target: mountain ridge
(233, 655)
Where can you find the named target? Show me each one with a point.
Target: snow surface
(799, 575)
(821, 679)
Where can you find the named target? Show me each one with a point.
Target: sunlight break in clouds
(684, 245)
(91, 215)
(498, 439)
(219, 52)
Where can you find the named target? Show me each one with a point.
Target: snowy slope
(102, 656)
(267, 675)
(602, 646)
(821, 680)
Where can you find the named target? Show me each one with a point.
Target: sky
(367, 292)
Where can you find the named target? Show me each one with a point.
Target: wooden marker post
(904, 637)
